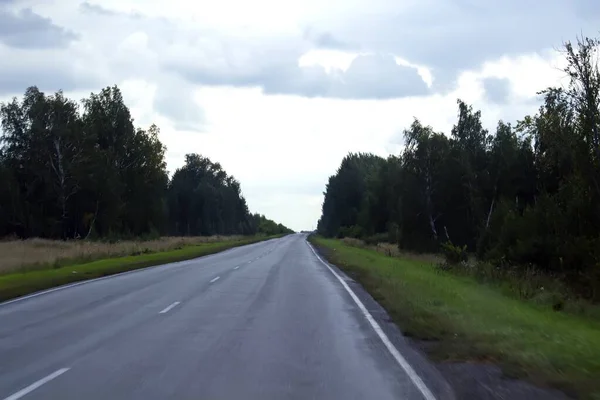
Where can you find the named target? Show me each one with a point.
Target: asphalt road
(264, 321)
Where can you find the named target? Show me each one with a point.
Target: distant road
(263, 321)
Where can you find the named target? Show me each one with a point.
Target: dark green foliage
(260, 224)
(349, 196)
(526, 197)
(454, 254)
(204, 200)
(71, 171)
(377, 238)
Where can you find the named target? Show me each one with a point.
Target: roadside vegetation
(36, 254)
(513, 220)
(74, 170)
(461, 319)
(36, 264)
(85, 194)
(525, 201)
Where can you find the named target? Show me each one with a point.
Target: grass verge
(21, 283)
(465, 320)
(37, 254)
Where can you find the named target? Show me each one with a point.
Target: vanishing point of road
(265, 321)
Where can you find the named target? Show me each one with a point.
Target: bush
(377, 238)
(353, 242)
(454, 254)
(354, 231)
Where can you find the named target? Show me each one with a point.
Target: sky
(279, 91)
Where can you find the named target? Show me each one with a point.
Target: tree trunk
(487, 222)
(93, 221)
(432, 226)
(429, 205)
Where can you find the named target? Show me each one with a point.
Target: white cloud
(328, 59)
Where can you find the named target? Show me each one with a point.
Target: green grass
(21, 283)
(469, 321)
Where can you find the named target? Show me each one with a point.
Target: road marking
(139, 270)
(236, 267)
(249, 262)
(102, 278)
(215, 279)
(414, 377)
(36, 385)
(172, 306)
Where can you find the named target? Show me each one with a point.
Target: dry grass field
(32, 254)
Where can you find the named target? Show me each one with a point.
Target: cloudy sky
(278, 91)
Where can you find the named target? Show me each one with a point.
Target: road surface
(264, 321)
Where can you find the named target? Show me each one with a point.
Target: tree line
(83, 170)
(526, 196)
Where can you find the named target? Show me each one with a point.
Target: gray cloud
(497, 90)
(174, 100)
(97, 10)
(52, 69)
(453, 36)
(26, 29)
(368, 77)
(14, 80)
(325, 40)
(88, 7)
(446, 36)
(379, 76)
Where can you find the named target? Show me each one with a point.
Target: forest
(526, 196)
(83, 170)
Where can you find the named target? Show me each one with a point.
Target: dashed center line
(236, 267)
(36, 385)
(215, 279)
(249, 262)
(172, 306)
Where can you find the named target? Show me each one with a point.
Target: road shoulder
(447, 379)
(425, 369)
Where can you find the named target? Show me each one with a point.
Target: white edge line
(37, 384)
(166, 310)
(414, 377)
(215, 279)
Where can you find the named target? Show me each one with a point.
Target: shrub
(377, 238)
(353, 242)
(454, 254)
(354, 231)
